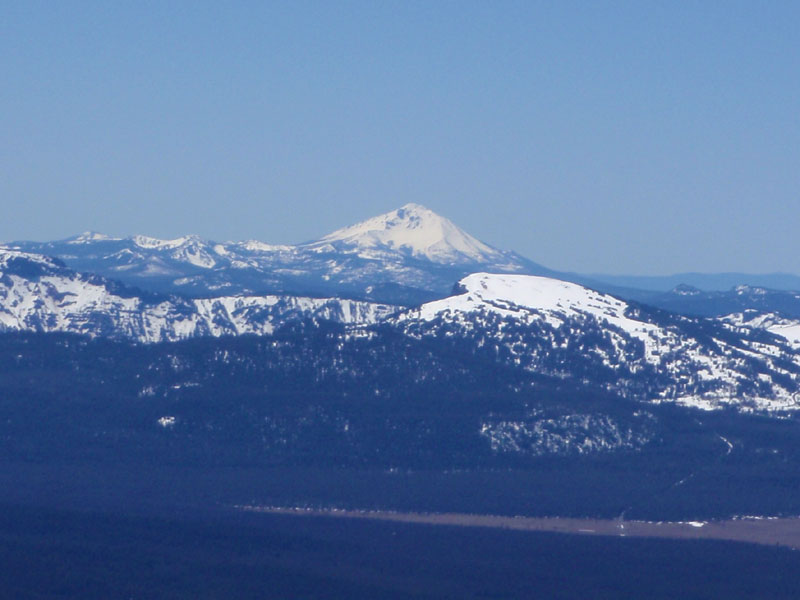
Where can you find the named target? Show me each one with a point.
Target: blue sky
(618, 137)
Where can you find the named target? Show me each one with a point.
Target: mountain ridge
(532, 323)
(406, 256)
(41, 294)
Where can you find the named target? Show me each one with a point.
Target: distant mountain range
(712, 282)
(405, 257)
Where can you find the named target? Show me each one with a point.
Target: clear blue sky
(640, 137)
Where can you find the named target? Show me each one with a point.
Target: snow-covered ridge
(60, 300)
(88, 237)
(8, 256)
(144, 241)
(538, 324)
(256, 246)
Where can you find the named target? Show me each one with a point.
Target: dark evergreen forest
(310, 417)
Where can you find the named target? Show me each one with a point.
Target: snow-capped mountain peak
(416, 231)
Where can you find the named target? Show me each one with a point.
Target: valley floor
(56, 554)
(106, 531)
(755, 530)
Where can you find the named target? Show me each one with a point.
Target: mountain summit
(415, 231)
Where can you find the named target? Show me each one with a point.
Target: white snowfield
(70, 302)
(720, 369)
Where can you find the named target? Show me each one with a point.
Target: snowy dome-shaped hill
(562, 329)
(414, 230)
(528, 298)
(510, 294)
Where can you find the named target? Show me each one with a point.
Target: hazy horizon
(721, 286)
(631, 138)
